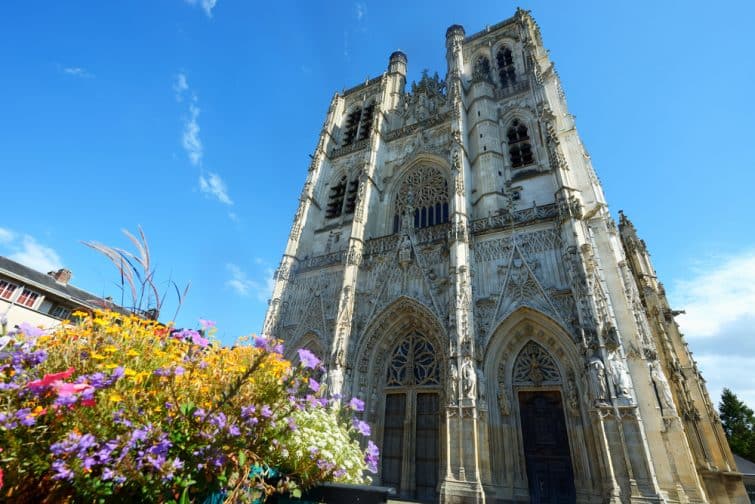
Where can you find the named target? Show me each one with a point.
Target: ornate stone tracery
(423, 187)
(535, 366)
(413, 363)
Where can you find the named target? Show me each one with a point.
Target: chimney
(62, 276)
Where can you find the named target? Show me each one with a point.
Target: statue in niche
(468, 378)
(504, 403)
(405, 251)
(662, 387)
(335, 381)
(619, 375)
(453, 391)
(597, 376)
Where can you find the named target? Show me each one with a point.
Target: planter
(337, 493)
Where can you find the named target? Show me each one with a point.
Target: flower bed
(120, 408)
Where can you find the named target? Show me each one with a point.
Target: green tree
(738, 422)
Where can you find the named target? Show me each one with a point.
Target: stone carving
(535, 366)
(481, 384)
(422, 187)
(662, 388)
(619, 375)
(597, 381)
(405, 251)
(453, 383)
(572, 397)
(468, 378)
(426, 99)
(504, 401)
(481, 70)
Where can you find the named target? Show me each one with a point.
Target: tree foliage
(738, 422)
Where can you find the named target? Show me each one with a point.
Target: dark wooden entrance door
(546, 448)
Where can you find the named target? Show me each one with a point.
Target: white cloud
(719, 323)
(190, 138)
(207, 5)
(77, 72)
(180, 86)
(245, 286)
(213, 185)
(29, 252)
(361, 10)
(6, 235)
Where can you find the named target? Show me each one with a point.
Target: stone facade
(454, 260)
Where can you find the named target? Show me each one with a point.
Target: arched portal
(547, 458)
(541, 440)
(400, 371)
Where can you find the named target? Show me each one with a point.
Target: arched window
(342, 198)
(481, 70)
(520, 149)
(422, 199)
(411, 435)
(506, 70)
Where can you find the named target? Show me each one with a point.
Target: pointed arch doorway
(411, 427)
(545, 440)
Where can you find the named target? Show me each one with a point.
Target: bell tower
(454, 261)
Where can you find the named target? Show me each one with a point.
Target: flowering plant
(117, 407)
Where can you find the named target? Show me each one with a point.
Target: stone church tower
(454, 261)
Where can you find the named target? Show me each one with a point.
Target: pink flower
(65, 389)
(49, 379)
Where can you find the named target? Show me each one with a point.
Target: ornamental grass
(117, 408)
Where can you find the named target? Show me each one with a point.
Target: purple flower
(162, 372)
(197, 339)
(234, 430)
(371, 456)
(61, 470)
(308, 359)
(30, 330)
(247, 411)
(362, 427)
(339, 473)
(313, 385)
(291, 423)
(206, 324)
(266, 411)
(356, 404)
(259, 341)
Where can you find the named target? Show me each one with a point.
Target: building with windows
(454, 260)
(28, 295)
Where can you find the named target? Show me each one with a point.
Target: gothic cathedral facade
(454, 261)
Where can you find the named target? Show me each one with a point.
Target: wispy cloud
(245, 286)
(360, 10)
(190, 137)
(719, 323)
(180, 86)
(214, 186)
(206, 5)
(25, 249)
(77, 72)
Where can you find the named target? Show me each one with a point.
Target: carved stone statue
(619, 375)
(405, 251)
(468, 378)
(597, 375)
(335, 381)
(662, 387)
(453, 384)
(572, 398)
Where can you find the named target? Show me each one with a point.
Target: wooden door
(546, 448)
(426, 450)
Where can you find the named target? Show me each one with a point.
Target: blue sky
(194, 119)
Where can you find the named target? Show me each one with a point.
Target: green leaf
(242, 458)
(184, 496)
(186, 408)
(296, 494)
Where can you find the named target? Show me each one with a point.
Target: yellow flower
(110, 349)
(115, 397)
(129, 372)
(111, 366)
(132, 353)
(97, 356)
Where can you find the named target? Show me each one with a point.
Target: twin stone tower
(454, 261)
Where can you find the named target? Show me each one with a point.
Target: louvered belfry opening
(520, 149)
(335, 199)
(352, 127)
(364, 129)
(411, 428)
(506, 70)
